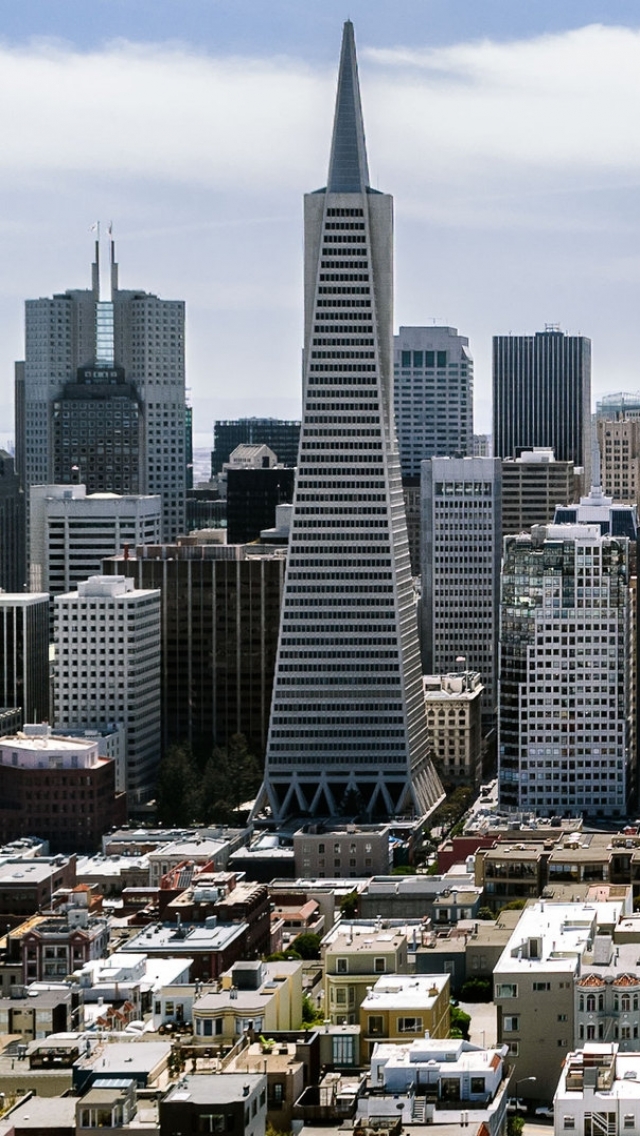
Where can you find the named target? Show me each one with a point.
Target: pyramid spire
(348, 168)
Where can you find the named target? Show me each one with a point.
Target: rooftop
(405, 991)
(216, 1088)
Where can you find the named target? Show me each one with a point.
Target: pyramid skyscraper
(348, 729)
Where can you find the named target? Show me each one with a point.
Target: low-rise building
(213, 946)
(403, 1007)
(41, 1011)
(353, 962)
(350, 850)
(27, 883)
(254, 996)
(598, 1092)
(221, 1102)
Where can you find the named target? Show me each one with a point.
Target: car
(516, 1104)
(544, 1112)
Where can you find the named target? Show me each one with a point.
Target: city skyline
(527, 146)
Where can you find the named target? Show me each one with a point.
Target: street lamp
(522, 1081)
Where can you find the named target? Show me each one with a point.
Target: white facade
(108, 668)
(598, 1093)
(35, 748)
(70, 533)
(566, 660)
(433, 395)
(348, 726)
(461, 548)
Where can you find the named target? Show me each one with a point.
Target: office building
(532, 486)
(615, 407)
(542, 396)
(281, 435)
(348, 727)
(24, 654)
(619, 447)
(71, 532)
(433, 395)
(12, 527)
(566, 661)
(461, 548)
(108, 669)
(253, 496)
(58, 787)
(100, 397)
(482, 446)
(595, 508)
(220, 609)
(454, 719)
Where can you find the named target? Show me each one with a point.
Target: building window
(506, 990)
(569, 1122)
(511, 1023)
(342, 966)
(379, 966)
(343, 1050)
(477, 1084)
(376, 1025)
(409, 1025)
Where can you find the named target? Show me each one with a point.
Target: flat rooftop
(215, 1088)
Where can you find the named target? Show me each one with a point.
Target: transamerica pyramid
(348, 730)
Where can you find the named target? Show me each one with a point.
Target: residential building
(532, 486)
(404, 1007)
(108, 669)
(212, 850)
(566, 647)
(433, 395)
(353, 962)
(216, 1102)
(121, 1061)
(100, 397)
(281, 435)
(348, 728)
(220, 610)
(454, 718)
(598, 1091)
(282, 1059)
(542, 395)
(461, 548)
(534, 988)
(52, 947)
(13, 537)
(24, 654)
(27, 883)
(70, 532)
(211, 947)
(437, 1079)
(58, 786)
(255, 995)
(353, 850)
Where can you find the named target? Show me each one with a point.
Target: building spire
(348, 168)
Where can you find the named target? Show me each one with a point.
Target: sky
(507, 131)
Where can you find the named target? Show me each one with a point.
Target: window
(542, 986)
(409, 1025)
(379, 965)
(477, 1084)
(629, 1120)
(511, 1023)
(513, 1048)
(376, 1025)
(569, 1122)
(212, 1122)
(343, 1050)
(342, 966)
(507, 990)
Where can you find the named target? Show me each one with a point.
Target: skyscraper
(433, 395)
(348, 731)
(280, 434)
(542, 396)
(24, 654)
(566, 667)
(100, 398)
(461, 546)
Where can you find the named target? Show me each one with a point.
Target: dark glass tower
(542, 396)
(348, 731)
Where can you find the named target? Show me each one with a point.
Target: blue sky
(507, 132)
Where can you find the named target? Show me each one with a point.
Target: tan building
(258, 996)
(532, 486)
(404, 1008)
(454, 720)
(619, 443)
(353, 963)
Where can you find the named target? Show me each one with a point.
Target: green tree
(231, 776)
(460, 1022)
(177, 790)
(310, 1014)
(403, 870)
(476, 990)
(515, 1125)
(307, 945)
(349, 905)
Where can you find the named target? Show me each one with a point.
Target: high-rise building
(619, 446)
(566, 660)
(348, 727)
(461, 546)
(12, 527)
(100, 397)
(433, 395)
(108, 668)
(532, 486)
(281, 435)
(24, 654)
(71, 532)
(220, 615)
(542, 396)
(253, 496)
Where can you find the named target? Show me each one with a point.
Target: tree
(307, 945)
(515, 1125)
(177, 790)
(231, 776)
(349, 905)
(476, 990)
(459, 1023)
(310, 1015)
(403, 870)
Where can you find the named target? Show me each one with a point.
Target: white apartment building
(566, 672)
(598, 1092)
(460, 563)
(107, 637)
(71, 532)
